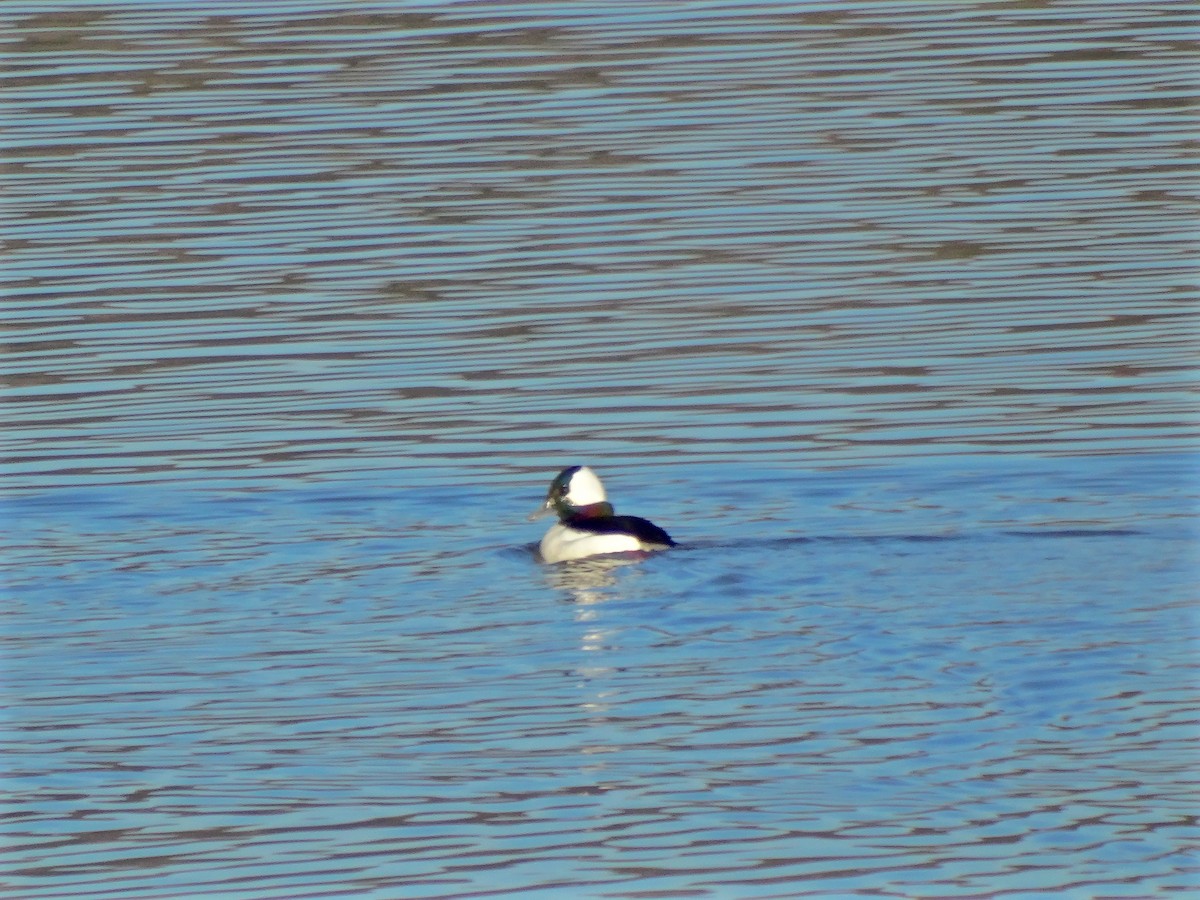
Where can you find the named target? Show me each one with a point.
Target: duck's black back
(642, 529)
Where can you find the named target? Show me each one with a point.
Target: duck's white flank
(562, 543)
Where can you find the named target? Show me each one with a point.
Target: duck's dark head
(574, 490)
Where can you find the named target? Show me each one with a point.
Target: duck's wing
(642, 529)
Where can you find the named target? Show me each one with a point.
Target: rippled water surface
(886, 310)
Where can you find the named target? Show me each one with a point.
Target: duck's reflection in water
(588, 584)
(586, 581)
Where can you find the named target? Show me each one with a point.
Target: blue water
(885, 311)
(916, 680)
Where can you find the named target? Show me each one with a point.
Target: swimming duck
(586, 524)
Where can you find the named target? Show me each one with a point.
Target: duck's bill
(540, 511)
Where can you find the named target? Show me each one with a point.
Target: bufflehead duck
(586, 525)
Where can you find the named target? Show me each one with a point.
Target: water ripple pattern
(886, 310)
(867, 230)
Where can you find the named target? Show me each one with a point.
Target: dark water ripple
(854, 233)
(885, 308)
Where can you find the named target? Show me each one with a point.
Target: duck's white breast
(563, 542)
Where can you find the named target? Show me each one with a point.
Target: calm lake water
(885, 310)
